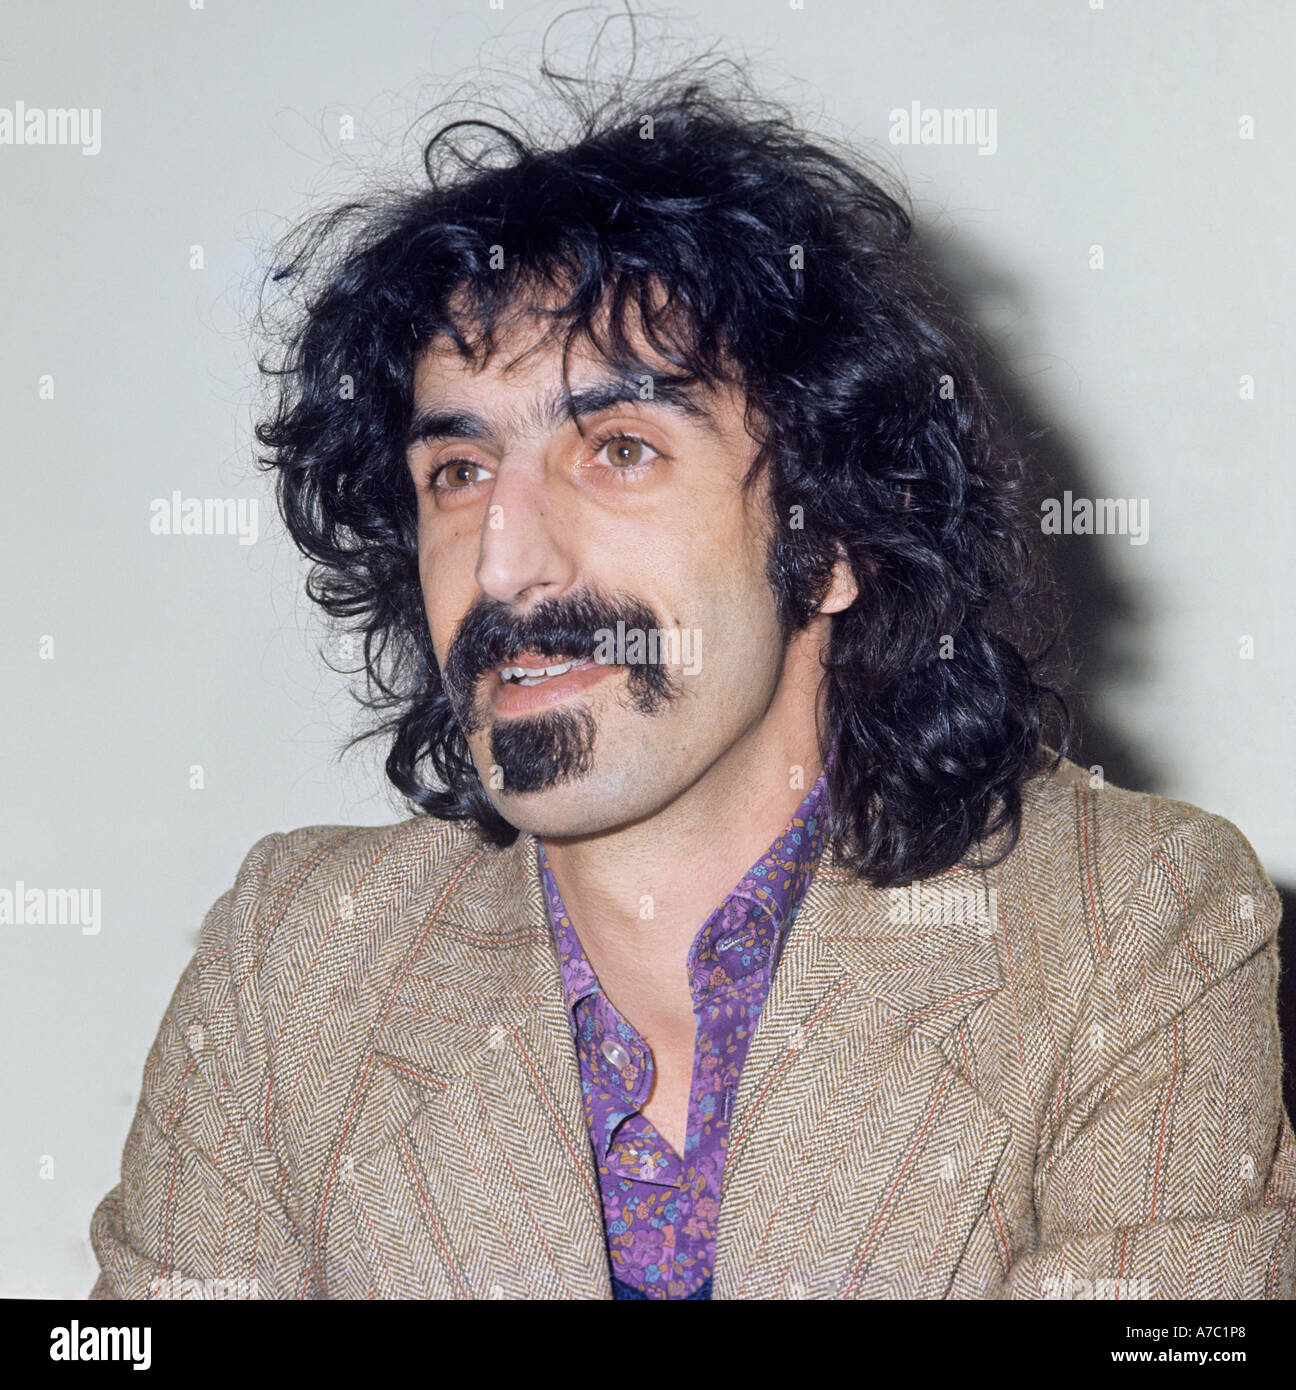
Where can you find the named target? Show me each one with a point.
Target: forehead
(527, 356)
(528, 362)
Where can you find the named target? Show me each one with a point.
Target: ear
(843, 591)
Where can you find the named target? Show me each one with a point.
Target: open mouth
(531, 682)
(536, 673)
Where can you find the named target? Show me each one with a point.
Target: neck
(639, 894)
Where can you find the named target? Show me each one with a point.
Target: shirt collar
(745, 935)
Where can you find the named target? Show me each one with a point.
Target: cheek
(446, 566)
(731, 604)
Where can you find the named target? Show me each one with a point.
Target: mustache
(492, 635)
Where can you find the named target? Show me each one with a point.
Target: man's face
(538, 535)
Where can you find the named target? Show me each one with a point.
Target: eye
(626, 452)
(457, 475)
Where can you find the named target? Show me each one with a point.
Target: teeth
(533, 675)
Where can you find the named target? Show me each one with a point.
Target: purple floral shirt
(659, 1207)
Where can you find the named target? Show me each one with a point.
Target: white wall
(1117, 126)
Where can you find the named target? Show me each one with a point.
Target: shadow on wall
(1103, 649)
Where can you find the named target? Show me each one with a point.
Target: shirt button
(615, 1053)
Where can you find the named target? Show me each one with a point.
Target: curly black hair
(790, 271)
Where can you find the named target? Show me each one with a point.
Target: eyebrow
(434, 423)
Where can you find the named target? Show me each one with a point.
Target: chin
(583, 807)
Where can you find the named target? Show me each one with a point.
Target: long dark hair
(789, 270)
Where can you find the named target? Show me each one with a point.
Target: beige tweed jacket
(1058, 1077)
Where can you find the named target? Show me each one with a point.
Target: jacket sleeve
(1167, 1168)
(200, 1210)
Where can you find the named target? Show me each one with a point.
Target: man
(748, 941)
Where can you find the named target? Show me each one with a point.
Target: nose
(524, 551)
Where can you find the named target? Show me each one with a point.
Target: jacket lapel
(861, 1152)
(478, 1178)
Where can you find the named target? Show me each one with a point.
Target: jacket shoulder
(1132, 883)
(303, 896)
(286, 860)
(1118, 911)
(1128, 833)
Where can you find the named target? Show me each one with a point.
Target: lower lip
(508, 698)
